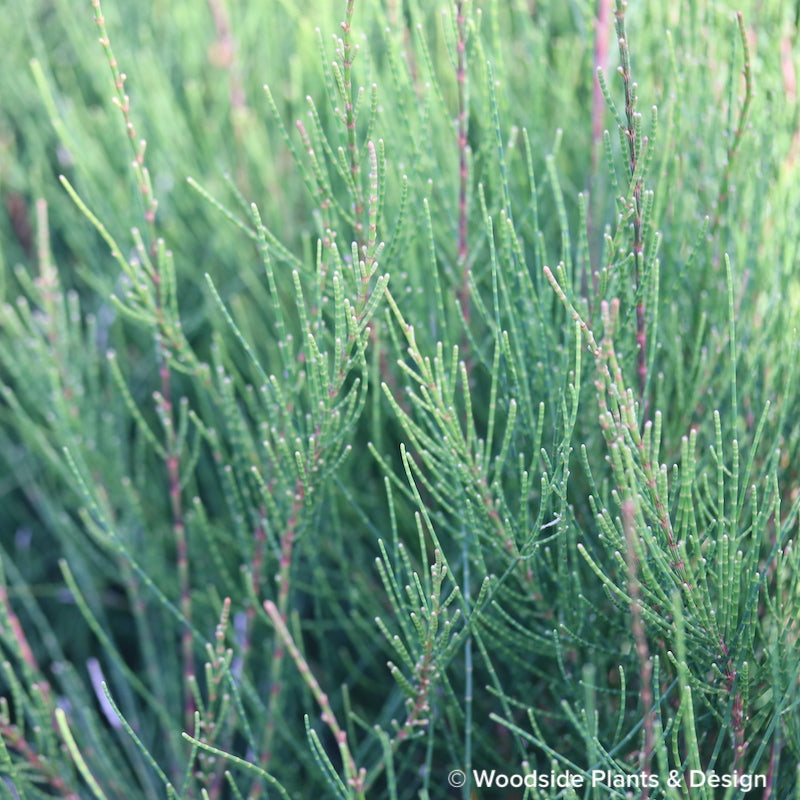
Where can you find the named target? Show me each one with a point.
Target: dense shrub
(418, 425)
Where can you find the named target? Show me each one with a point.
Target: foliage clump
(416, 425)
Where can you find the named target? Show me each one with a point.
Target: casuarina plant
(399, 400)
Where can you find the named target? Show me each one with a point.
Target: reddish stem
(463, 148)
(602, 27)
(638, 233)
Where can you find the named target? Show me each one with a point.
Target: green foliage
(419, 424)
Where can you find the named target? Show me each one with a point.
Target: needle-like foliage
(399, 400)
